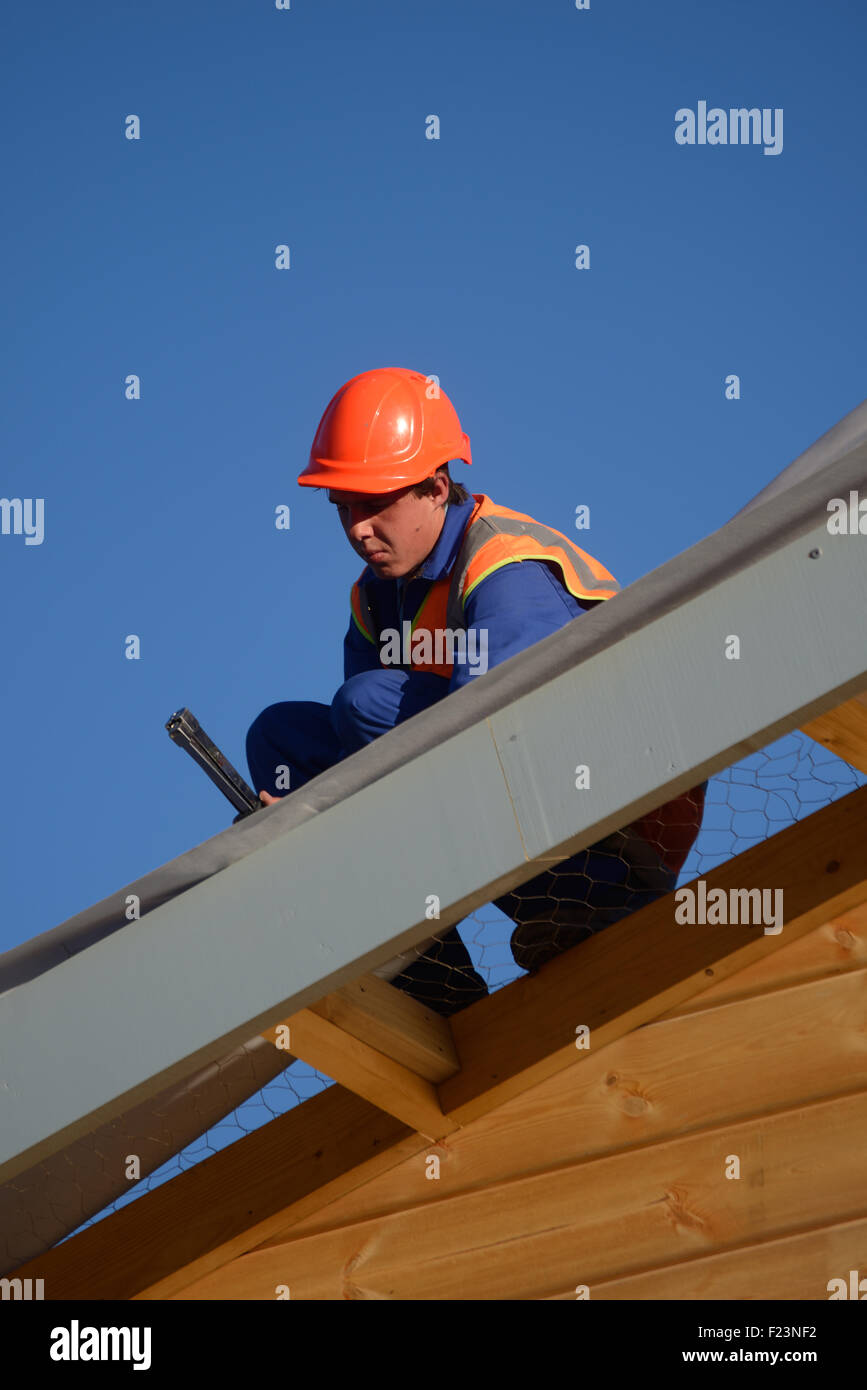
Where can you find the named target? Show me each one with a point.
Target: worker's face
(393, 531)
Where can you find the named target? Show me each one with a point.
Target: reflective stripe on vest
(497, 536)
(361, 612)
(494, 536)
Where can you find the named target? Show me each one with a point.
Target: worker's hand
(268, 799)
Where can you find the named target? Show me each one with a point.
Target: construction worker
(453, 584)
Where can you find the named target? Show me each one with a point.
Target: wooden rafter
(388, 1020)
(208, 1214)
(369, 1073)
(844, 731)
(382, 1045)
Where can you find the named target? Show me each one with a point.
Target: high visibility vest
(494, 536)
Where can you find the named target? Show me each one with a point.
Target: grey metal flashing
(484, 529)
(846, 435)
(464, 801)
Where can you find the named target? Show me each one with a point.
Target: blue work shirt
(518, 604)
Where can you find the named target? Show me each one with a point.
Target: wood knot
(634, 1105)
(679, 1214)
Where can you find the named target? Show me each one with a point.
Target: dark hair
(457, 492)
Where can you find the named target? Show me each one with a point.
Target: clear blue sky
(454, 257)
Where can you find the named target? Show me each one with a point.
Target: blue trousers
(295, 740)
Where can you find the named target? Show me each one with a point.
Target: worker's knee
(371, 702)
(354, 694)
(364, 707)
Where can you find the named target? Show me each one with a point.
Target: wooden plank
(701, 1071)
(647, 963)
(202, 1217)
(653, 1083)
(584, 1223)
(832, 949)
(796, 1267)
(843, 730)
(388, 1020)
(368, 1073)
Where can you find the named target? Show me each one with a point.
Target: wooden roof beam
(843, 730)
(349, 1059)
(380, 1043)
(385, 1018)
(207, 1215)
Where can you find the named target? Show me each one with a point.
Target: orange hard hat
(383, 430)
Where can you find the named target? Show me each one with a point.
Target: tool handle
(186, 731)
